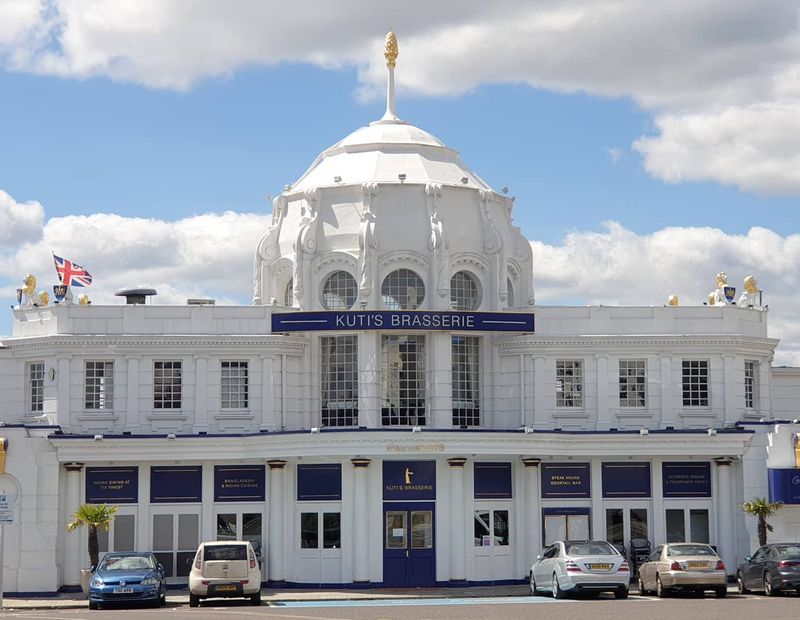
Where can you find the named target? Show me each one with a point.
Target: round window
(464, 291)
(339, 291)
(403, 290)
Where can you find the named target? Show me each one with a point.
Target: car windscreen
(129, 562)
(591, 548)
(788, 551)
(225, 552)
(679, 550)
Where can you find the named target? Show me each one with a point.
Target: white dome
(381, 151)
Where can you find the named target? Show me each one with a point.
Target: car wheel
(532, 581)
(623, 593)
(194, 600)
(642, 590)
(93, 605)
(255, 599)
(740, 584)
(768, 589)
(721, 591)
(557, 591)
(661, 591)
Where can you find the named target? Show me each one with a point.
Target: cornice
(540, 341)
(277, 343)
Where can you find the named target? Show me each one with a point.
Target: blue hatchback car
(128, 577)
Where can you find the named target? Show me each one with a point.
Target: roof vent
(136, 295)
(200, 302)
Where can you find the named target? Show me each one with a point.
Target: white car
(225, 569)
(580, 566)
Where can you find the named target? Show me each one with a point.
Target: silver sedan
(683, 566)
(580, 566)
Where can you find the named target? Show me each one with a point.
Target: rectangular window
(403, 380)
(331, 530)
(569, 383)
(99, 386)
(750, 383)
(233, 385)
(466, 380)
(491, 528)
(339, 380)
(36, 387)
(167, 385)
(632, 383)
(695, 383)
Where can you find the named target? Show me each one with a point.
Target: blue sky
(622, 128)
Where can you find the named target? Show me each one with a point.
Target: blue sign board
(409, 480)
(492, 480)
(319, 483)
(366, 320)
(686, 479)
(176, 484)
(626, 479)
(239, 483)
(784, 485)
(112, 485)
(565, 480)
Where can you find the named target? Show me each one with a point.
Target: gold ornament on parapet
(28, 290)
(83, 300)
(391, 51)
(44, 298)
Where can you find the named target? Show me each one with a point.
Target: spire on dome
(391, 53)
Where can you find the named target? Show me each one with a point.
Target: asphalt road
(752, 607)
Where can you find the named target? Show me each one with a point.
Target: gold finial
(673, 300)
(83, 300)
(391, 51)
(44, 298)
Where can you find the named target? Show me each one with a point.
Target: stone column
(74, 560)
(369, 403)
(439, 382)
(458, 568)
(725, 509)
(201, 394)
(541, 394)
(532, 524)
(268, 422)
(63, 378)
(132, 421)
(360, 520)
(668, 405)
(604, 421)
(277, 509)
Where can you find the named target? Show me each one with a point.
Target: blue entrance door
(409, 554)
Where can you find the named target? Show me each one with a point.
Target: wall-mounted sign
(626, 479)
(784, 485)
(8, 500)
(565, 480)
(492, 480)
(319, 482)
(409, 480)
(366, 320)
(112, 485)
(239, 483)
(686, 479)
(176, 484)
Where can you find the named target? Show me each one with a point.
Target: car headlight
(150, 581)
(96, 582)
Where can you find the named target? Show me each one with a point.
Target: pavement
(270, 595)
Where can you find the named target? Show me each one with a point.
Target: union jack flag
(70, 273)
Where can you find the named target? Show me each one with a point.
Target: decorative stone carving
(751, 298)
(268, 250)
(723, 294)
(306, 241)
(367, 243)
(29, 290)
(493, 242)
(437, 243)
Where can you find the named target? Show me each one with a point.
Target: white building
(387, 412)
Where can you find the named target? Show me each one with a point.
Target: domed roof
(384, 150)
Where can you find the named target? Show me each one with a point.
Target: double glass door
(242, 525)
(624, 524)
(176, 536)
(409, 556)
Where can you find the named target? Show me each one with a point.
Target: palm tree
(761, 508)
(93, 516)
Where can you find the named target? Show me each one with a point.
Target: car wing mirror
(92, 568)
(160, 567)
(747, 558)
(538, 557)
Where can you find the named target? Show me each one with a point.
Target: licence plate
(228, 587)
(600, 566)
(696, 564)
(123, 590)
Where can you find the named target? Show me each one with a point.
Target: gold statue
(673, 300)
(28, 289)
(44, 298)
(391, 51)
(83, 300)
(751, 298)
(718, 297)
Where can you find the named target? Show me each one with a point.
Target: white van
(225, 569)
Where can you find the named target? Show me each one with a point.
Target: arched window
(403, 290)
(510, 288)
(464, 291)
(339, 291)
(288, 294)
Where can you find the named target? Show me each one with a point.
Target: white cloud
(20, 222)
